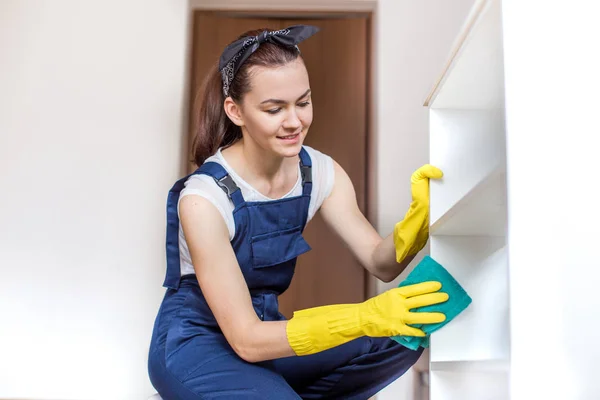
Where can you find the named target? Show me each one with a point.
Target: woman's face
(277, 111)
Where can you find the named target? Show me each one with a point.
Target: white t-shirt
(205, 186)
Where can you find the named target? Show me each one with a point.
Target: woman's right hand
(388, 314)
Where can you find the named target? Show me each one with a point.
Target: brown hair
(214, 129)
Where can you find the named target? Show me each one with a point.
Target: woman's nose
(292, 121)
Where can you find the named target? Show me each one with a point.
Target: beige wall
(90, 124)
(90, 127)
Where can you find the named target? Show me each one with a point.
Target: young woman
(234, 230)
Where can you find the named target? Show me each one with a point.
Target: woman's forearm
(385, 266)
(263, 340)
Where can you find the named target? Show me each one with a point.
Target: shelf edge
(476, 12)
(496, 173)
(496, 365)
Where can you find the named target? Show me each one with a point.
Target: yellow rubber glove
(411, 234)
(388, 314)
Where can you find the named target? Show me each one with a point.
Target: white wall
(90, 127)
(552, 85)
(414, 39)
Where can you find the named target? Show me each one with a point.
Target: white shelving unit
(516, 218)
(470, 357)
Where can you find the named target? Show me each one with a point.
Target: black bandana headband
(237, 52)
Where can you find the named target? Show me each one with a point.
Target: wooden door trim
(307, 9)
(285, 14)
(294, 6)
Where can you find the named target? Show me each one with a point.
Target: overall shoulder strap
(173, 275)
(224, 180)
(220, 175)
(306, 171)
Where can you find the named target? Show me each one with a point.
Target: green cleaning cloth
(429, 270)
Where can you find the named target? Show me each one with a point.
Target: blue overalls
(190, 358)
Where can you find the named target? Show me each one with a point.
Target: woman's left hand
(411, 234)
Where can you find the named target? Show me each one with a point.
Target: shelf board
(473, 76)
(482, 331)
(470, 383)
(470, 366)
(480, 212)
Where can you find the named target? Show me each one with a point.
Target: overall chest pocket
(277, 247)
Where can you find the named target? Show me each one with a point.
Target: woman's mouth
(290, 138)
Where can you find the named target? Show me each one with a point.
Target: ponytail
(213, 128)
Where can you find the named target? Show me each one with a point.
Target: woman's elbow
(245, 352)
(385, 277)
(388, 273)
(243, 347)
(383, 274)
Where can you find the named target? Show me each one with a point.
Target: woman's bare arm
(224, 287)
(340, 211)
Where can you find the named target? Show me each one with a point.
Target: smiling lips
(290, 138)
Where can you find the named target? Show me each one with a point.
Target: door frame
(303, 9)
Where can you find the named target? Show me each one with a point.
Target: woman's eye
(304, 104)
(274, 110)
